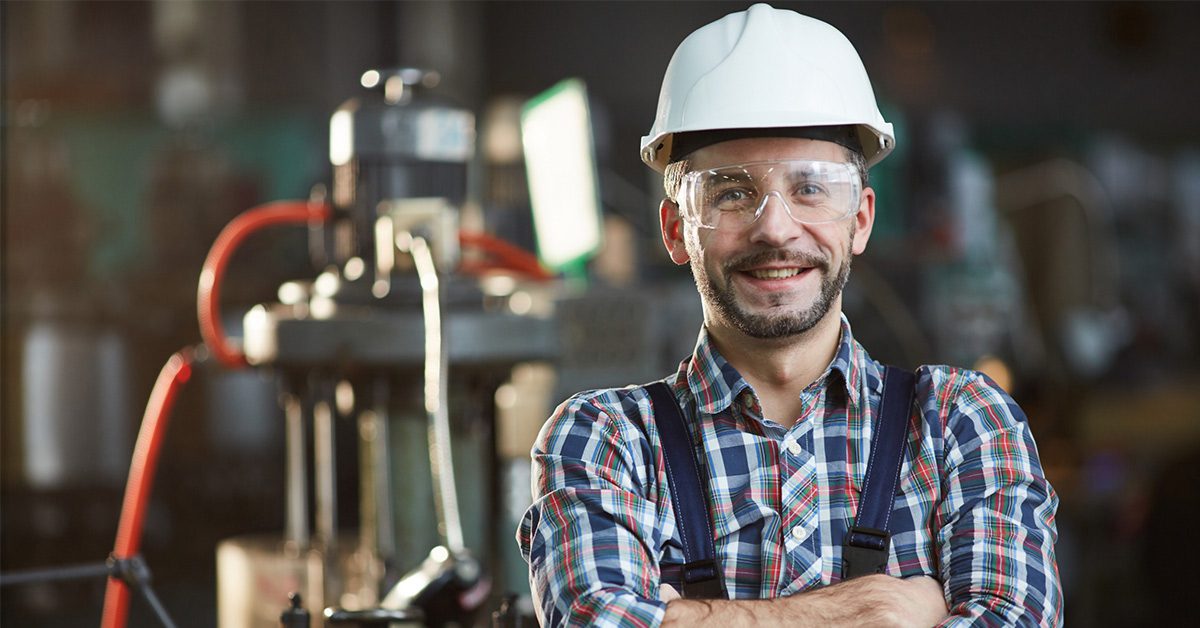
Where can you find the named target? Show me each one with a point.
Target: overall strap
(699, 575)
(866, 548)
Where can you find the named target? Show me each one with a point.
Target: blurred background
(1040, 221)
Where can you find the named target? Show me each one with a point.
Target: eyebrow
(741, 176)
(802, 173)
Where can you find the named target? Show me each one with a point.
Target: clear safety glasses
(732, 197)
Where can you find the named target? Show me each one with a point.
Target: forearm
(873, 600)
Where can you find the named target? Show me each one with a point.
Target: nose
(773, 223)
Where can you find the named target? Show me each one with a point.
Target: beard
(766, 325)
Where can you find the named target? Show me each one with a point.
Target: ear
(864, 221)
(672, 227)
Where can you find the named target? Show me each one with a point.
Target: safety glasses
(732, 197)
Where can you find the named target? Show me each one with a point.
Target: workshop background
(1040, 220)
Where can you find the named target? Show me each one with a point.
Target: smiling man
(754, 485)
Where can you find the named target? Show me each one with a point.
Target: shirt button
(797, 533)
(794, 448)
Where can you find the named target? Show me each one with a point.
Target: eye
(809, 189)
(732, 196)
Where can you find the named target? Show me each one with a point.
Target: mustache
(766, 256)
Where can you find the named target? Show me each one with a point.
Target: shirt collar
(715, 384)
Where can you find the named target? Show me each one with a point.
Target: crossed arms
(594, 533)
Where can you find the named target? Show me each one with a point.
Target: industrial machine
(387, 365)
(396, 346)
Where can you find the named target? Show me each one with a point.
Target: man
(765, 128)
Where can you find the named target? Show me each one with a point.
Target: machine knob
(295, 616)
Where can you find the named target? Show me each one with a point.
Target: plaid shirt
(973, 508)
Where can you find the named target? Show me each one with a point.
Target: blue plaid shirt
(973, 509)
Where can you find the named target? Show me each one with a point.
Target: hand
(667, 593)
(876, 600)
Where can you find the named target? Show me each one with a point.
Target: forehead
(764, 149)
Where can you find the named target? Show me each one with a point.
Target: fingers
(667, 593)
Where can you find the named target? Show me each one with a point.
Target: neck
(779, 369)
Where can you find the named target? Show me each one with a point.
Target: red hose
(141, 476)
(505, 256)
(208, 296)
(178, 368)
(175, 373)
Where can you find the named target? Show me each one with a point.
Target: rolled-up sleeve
(997, 530)
(591, 533)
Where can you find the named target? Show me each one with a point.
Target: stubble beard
(771, 326)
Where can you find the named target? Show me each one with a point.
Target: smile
(775, 273)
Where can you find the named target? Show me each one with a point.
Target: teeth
(774, 273)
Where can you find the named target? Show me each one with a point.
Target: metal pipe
(381, 468)
(54, 574)
(368, 483)
(324, 459)
(297, 530)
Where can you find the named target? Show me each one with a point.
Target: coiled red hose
(208, 295)
(173, 375)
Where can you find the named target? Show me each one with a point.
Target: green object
(560, 166)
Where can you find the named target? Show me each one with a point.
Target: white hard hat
(766, 68)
